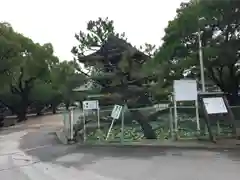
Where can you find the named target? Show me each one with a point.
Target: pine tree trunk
(146, 127)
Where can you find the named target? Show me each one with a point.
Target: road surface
(33, 153)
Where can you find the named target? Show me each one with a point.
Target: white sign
(116, 111)
(90, 105)
(215, 105)
(160, 106)
(185, 90)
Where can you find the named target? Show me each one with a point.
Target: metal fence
(155, 122)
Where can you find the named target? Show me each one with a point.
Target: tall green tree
(218, 22)
(29, 62)
(116, 68)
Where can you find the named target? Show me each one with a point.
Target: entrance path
(31, 152)
(50, 121)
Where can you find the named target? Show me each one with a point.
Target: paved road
(34, 154)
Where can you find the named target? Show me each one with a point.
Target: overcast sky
(57, 21)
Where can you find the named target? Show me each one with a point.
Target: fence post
(171, 121)
(218, 128)
(197, 117)
(98, 124)
(175, 118)
(84, 126)
(122, 124)
(71, 123)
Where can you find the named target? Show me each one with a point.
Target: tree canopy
(116, 67)
(31, 75)
(218, 25)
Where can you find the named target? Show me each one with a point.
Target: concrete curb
(164, 145)
(160, 146)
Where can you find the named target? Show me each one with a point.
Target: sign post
(185, 90)
(116, 112)
(215, 105)
(122, 124)
(90, 105)
(71, 123)
(175, 117)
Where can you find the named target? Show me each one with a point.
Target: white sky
(57, 21)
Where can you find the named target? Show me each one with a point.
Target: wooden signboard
(214, 104)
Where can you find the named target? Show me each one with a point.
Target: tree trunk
(1, 120)
(146, 127)
(22, 110)
(39, 110)
(54, 110)
(22, 116)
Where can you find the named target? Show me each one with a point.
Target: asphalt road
(36, 155)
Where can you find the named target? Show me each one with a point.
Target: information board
(116, 112)
(185, 90)
(215, 105)
(90, 105)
